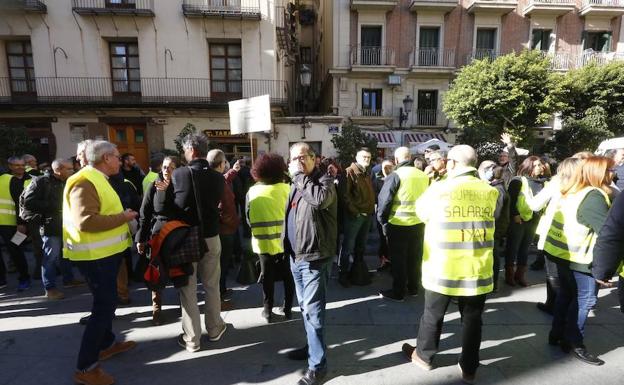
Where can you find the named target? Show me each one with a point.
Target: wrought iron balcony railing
(428, 118)
(433, 57)
(30, 6)
(244, 9)
(372, 56)
(114, 7)
(371, 112)
(146, 91)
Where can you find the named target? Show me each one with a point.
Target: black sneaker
(391, 295)
(300, 354)
(545, 308)
(312, 377)
(583, 355)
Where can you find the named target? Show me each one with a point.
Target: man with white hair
(458, 213)
(396, 213)
(43, 199)
(95, 237)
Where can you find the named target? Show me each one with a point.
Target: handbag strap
(197, 203)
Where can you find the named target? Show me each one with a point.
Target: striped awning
(385, 139)
(421, 137)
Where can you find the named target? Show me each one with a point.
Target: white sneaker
(219, 335)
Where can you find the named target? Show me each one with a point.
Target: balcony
(554, 8)
(482, 54)
(225, 9)
(428, 118)
(160, 92)
(610, 8)
(499, 7)
(560, 61)
(377, 59)
(114, 7)
(433, 5)
(432, 60)
(371, 116)
(373, 5)
(600, 58)
(27, 6)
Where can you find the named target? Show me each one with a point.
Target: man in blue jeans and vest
(95, 237)
(310, 241)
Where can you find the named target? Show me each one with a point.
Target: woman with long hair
(528, 183)
(265, 211)
(581, 212)
(154, 215)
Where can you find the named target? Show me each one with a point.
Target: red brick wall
(569, 32)
(514, 30)
(401, 32)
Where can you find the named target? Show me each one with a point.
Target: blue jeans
(311, 279)
(354, 240)
(52, 249)
(101, 276)
(575, 298)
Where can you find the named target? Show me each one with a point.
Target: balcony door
(21, 68)
(427, 107)
(371, 102)
(131, 138)
(126, 74)
(486, 43)
(226, 71)
(541, 39)
(370, 51)
(598, 41)
(429, 46)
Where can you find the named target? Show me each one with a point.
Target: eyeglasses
(434, 159)
(300, 158)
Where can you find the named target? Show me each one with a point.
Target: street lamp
(408, 104)
(305, 77)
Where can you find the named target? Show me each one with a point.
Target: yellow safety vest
(459, 237)
(148, 180)
(8, 214)
(87, 246)
(567, 239)
(521, 204)
(413, 183)
(267, 209)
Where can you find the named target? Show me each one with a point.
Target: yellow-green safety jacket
(459, 236)
(266, 209)
(567, 239)
(8, 212)
(148, 180)
(413, 182)
(87, 246)
(521, 204)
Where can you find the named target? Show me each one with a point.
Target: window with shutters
(226, 71)
(541, 39)
(21, 67)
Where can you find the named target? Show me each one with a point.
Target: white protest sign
(250, 115)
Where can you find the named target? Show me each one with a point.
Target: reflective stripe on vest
(8, 213)
(413, 183)
(267, 208)
(567, 239)
(459, 237)
(521, 204)
(85, 246)
(148, 180)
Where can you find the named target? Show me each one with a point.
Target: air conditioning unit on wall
(394, 80)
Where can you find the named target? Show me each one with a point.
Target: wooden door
(131, 138)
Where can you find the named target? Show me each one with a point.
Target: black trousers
(15, 252)
(405, 246)
(430, 328)
(273, 267)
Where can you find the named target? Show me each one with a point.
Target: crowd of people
(444, 220)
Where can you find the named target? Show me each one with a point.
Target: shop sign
(222, 133)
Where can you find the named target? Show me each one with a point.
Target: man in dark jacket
(198, 180)
(358, 197)
(132, 172)
(310, 241)
(609, 249)
(44, 198)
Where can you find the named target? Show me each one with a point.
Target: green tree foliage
(592, 99)
(14, 142)
(349, 141)
(513, 93)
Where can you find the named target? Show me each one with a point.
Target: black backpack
(41, 182)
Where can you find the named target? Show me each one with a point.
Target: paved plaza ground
(39, 340)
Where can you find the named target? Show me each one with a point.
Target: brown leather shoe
(54, 294)
(410, 353)
(509, 276)
(519, 276)
(118, 347)
(95, 376)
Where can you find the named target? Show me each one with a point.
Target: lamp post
(305, 77)
(408, 104)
